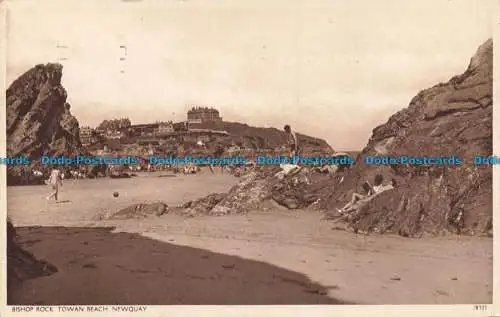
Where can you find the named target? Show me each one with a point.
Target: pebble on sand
(396, 278)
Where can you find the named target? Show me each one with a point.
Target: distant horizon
(333, 71)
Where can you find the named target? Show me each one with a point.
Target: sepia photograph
(189, 152)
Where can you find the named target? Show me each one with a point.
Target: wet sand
(278, 257)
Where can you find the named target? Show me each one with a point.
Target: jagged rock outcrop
(247, 195)
(263, 188)
(39, 120)
(21, 264)
(449, 119)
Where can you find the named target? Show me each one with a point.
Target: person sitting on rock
(378, 187)
(368, 191)
(359, 200)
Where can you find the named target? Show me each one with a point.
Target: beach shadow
(63, 201)
(97, 267)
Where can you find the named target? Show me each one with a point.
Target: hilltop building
(203, 114)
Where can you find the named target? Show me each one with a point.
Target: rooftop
(203, 109)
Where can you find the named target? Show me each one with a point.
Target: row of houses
(143, 132)
(89, 135)
(196, 115)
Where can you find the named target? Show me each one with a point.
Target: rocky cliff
(21, 264)
(449, 119)
(39, 120)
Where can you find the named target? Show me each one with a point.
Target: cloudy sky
(332, 69)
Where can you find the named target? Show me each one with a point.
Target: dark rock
(89, 266)
(290, 203)
(141, 211)
(21, 264)
(39, 121)
(396, 278)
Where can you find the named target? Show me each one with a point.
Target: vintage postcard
(236, 158)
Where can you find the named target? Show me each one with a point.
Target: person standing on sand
(25, 175)
(55, 181)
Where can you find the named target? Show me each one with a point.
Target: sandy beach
(273, 257)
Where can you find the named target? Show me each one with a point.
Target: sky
(330, 69)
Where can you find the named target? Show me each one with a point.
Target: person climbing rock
(293, 141)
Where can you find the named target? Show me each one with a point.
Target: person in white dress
(55, 181)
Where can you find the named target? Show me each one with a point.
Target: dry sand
(279, 257)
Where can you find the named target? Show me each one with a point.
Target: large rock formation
(39, 120)
(450, 119)
(264, 188)
(21, 264)
(138, 211)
